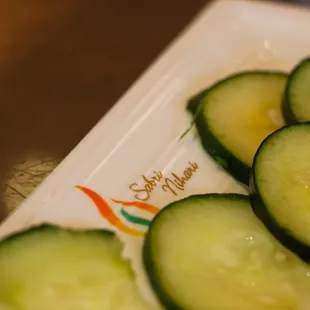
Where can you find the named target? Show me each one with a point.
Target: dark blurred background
(63, 64)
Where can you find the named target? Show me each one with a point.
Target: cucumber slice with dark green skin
(210, 252)
(234, 116)
(281, 186)
(297, 94)
(48, 268)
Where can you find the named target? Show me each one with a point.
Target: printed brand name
(116, 212)
(172, 184)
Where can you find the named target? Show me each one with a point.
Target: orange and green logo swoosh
(107, 212)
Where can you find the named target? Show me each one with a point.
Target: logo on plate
(118, 220)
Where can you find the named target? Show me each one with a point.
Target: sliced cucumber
(281, 182)
(236, 114)
(49, 268)
(210, 252)
(297, 94)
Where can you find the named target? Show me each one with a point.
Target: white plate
(141, 133)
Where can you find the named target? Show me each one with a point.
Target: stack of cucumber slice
(256, 125)
(204, 252)
(229, 251)
(234, 115)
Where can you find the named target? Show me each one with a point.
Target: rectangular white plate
(141, 133)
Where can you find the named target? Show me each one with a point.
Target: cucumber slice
(48, 268)
(281, 186)
(297, 94)
(235, 115)
(211, 252)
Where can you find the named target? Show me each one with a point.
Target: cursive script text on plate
(173, 183)
(149, 186)
(176, 182)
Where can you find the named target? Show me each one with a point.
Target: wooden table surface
(63, 64)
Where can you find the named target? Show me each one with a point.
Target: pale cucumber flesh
(211, 252)
(51, 268)
(243, 110)
(298, 92)
(282, 179)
